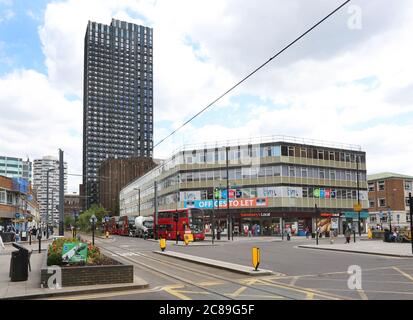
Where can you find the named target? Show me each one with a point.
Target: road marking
(310, 296)
(106, 295)
(408, 276)
(308, 290)
(210, 283)
(171, 290)
(293, 281)
(362, 295)
(262, 296)
(237, 292)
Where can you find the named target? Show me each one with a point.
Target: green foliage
(54, 255)
(68, 221)
(84, 218)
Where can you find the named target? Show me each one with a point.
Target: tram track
(294, 295)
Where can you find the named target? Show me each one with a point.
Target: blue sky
(19, 35)
(339, 84)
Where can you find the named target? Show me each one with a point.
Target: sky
(349, 81)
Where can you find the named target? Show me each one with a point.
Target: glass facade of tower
(118, 97)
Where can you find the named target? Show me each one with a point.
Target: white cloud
(39, 120)
(6, 15)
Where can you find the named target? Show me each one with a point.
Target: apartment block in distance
(40, 168)
(15, 168)
(118, 97)
(389, 199)
(274, 182)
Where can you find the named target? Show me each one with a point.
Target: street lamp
(93, 222)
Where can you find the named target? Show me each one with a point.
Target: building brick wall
(114, 174)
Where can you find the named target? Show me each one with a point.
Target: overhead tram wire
(253, 72)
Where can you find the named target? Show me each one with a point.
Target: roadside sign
(93, 219)
(357, 207)
(74, 252)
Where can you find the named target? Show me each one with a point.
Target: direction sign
(93, 219)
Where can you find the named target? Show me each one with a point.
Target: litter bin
(19, 264)
(218, 235)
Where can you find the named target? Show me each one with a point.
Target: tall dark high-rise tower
(118, 97)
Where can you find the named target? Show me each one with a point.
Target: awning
(355, 215)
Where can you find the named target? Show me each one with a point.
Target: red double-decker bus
(173, 223)
(125, 224)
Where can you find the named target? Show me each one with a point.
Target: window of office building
(408, 185)
(371, 203)
(407, 202)
(380, 185)
(382, 202)
(371, 186)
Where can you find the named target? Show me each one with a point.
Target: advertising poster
(74, 252)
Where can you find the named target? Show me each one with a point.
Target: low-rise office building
(389, 199)
(18, 205)
(274, 183)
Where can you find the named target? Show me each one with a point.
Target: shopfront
(351, 218)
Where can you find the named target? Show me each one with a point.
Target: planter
(89, 275)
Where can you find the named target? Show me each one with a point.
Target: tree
(68, 221)
(84, 218)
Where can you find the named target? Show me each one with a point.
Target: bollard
(255, 258)
(107, 234)
(162, 244)
(30, 238)
(186, 240)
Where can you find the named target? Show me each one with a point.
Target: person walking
(307, 232)
(1, 243)
(347, 233)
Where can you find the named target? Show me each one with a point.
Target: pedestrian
(288, 233)
(1, 243)
(347, 233)
(307, 232)
(17, 236)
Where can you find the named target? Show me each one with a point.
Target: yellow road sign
(255, 257)
(357, 207)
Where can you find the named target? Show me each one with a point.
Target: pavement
(375, 247)
(31, 289)
(237, 268)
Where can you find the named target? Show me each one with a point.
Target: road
(298, 273)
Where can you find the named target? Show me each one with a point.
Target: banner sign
(221, 204)
(74, 252)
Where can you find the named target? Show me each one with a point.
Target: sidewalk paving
(376, 247)
(31, 289)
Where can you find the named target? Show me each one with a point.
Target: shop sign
(235, 203)
(324, 193)
(255, 215)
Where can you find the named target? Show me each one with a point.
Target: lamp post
(316, 223)
(228, 213)
(411, 219)
(358, 194)
(93, 222)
